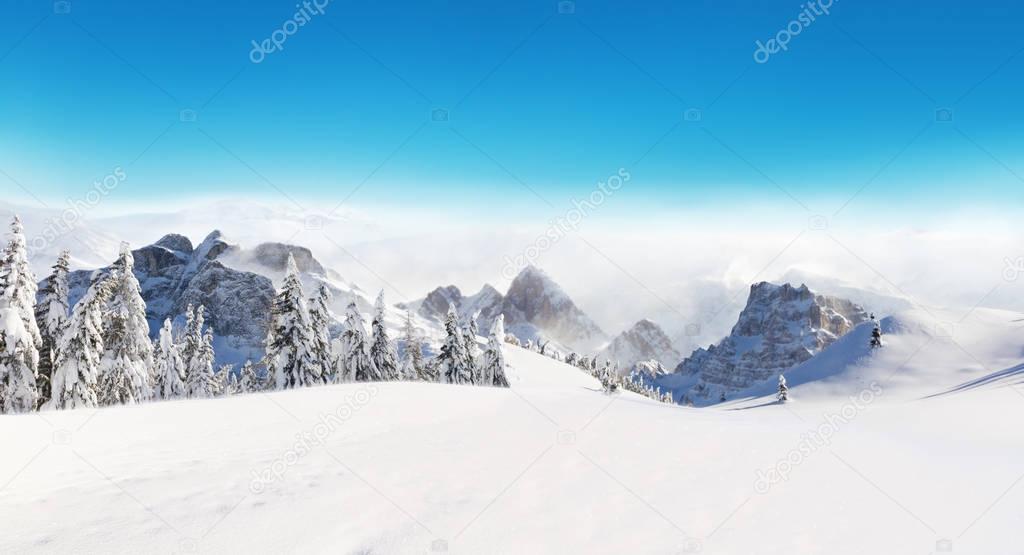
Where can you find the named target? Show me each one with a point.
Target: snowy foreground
(551, 466)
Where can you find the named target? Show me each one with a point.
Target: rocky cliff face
(780, 327)
(173, 275)
(644, 342)
(535, 309)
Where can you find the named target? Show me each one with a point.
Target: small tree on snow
(783, 390)
(128, 354)
(249, 382)
(290, 348)
(493, 365)
(452, 362)
(355, 351)
(876, 333)
(320, 328)
(382, 350)
(52, 319)
(78, 353)
(168, 366)
(412, 367)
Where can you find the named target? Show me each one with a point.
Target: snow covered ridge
(780, 327)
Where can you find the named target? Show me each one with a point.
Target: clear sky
(537, 101)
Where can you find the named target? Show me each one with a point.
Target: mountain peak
(175, 242)
(644, 341)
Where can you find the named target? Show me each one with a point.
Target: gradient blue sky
(555, 101)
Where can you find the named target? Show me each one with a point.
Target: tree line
(99, 352)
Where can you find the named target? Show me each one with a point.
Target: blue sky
(536, 98)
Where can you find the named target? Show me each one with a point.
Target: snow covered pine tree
(876, 333)
(168, 366)
(382, 350)
(412, 368)
(290, 349)
(18, 293)
(355, 353)
(493, 366)
(197, 354)
(452, 361)
(320, 327)
(783, 389)
(470, 331)
(52, 318)
(128, 354)
(77, 356)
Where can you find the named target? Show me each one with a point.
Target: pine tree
(78, 352)
(412, 352)
(128, 354)
(250, 382)
(357, 363)
(876, 333)
(470, 332)
(199, 379)
(168, 365)
(17, 383)
(783, 390)
(320, 328)
(290, 348)
(52, 319)
(452, 361)
(18, 292)
(492, 369)
(382, 350)
(226, 381)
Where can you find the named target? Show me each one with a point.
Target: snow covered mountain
(535, 308)
(780, 327)
(645, 341)
(174, 274)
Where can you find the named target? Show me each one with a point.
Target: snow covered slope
(548, 466)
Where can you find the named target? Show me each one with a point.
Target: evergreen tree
(52, 319)
(382, 350)
(452, 361)
(357, 363)
(783, 390)
(492, 369)
(470, 332)
(200, 382)
(17, 382)
(79, 350)
(412, 352)
(290, 348)
(320, 328)
(876, 333)
(18, 292)
(249, 382)
(128, 354)
(227, 382)
(168, 365)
